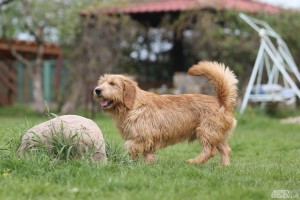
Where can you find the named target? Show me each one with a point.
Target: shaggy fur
(148, 122)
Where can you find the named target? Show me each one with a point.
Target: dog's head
(115, 91)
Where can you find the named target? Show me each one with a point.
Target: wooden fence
(8, 83)
(16, 84)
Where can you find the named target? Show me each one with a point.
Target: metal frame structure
(276, 61)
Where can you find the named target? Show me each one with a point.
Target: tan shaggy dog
(148, 122)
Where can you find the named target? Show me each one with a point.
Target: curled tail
(223, 79)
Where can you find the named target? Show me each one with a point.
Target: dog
(148, 122)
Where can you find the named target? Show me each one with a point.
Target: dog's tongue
(104, 103)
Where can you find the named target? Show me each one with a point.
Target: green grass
(265, 157)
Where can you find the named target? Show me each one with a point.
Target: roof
(27, 47)
(151, 6)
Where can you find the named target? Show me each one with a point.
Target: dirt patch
(291, 120)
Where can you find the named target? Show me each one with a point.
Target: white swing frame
(282, 61)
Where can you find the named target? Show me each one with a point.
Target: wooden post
(20, 72)
(57, 79)
(47, 81)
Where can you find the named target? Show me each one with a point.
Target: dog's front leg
(149, 157)
(133, 149)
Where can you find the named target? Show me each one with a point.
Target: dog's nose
(98, 91)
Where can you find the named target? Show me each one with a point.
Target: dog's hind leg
(225, 151)
(209, 149)
(207, 152)
(223, 146)
(203, 157)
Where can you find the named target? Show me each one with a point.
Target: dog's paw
(224, 164)
(193, 161)
(149, 158)
(150, 161)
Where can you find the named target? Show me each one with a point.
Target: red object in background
(181, 5)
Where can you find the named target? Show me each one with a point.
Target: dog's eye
(111, 83)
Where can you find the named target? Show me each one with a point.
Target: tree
(36, 29)
(103, 46)
(43, 21)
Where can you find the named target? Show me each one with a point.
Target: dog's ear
(129, 94)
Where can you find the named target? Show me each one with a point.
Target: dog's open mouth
(105, 103)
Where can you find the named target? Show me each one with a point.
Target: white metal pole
(267, 63)
(290, 61)
(259, 77)
(253, 76)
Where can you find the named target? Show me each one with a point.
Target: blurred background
(53, 52)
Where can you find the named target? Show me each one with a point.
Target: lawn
(265, 157)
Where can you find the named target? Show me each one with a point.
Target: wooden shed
(150, 14)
